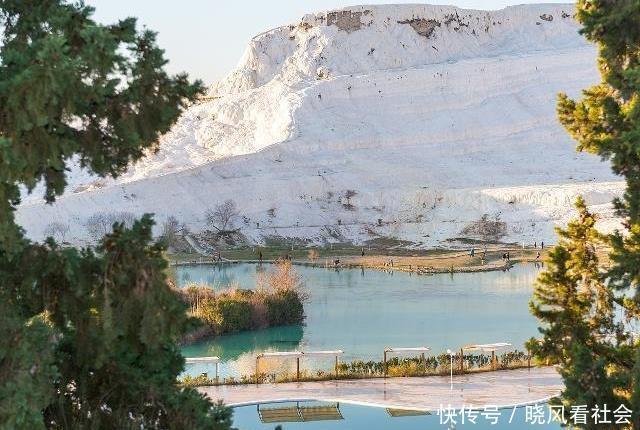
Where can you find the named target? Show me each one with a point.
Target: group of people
(472, 253)
(535, 246)
(505, 255)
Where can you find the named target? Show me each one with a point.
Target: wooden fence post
(384, 361)
(257, 369)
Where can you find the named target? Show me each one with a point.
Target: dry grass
(369, 370)
(283, 277)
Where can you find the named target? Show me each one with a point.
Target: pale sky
(206, 38)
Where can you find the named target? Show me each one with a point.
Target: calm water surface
(372, 418)
(362, 312)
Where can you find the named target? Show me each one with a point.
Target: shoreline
(428, 265)
(420, 270)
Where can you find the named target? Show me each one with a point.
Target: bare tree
(348, 195)
(282, 277)
(57, 230)
(223, 217)
(101, 223)
(98, 225)
(126, 218)
(171, 231)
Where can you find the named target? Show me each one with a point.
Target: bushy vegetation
(228, 314)
(396, 367)
(284, 294)
(277, 300)
(433, 365)
(284, 307)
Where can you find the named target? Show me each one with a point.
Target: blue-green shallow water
(362, 312)
(373, 418)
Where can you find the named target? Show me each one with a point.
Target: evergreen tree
(577, 309)
(603, 364)
(88, 335)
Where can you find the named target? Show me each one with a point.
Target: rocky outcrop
(347, 20)
(424, 27)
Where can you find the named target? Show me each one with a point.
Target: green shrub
(226, 314)
(284, 307)
(278, 300)
(232, 315)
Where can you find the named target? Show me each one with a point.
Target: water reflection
(232, 346)
(220, 275)
(238, 351)
(330, 416)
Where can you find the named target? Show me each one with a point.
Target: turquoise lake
(364, 311)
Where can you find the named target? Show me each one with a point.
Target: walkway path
(503, 388)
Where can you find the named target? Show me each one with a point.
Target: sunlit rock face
(417, 122)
